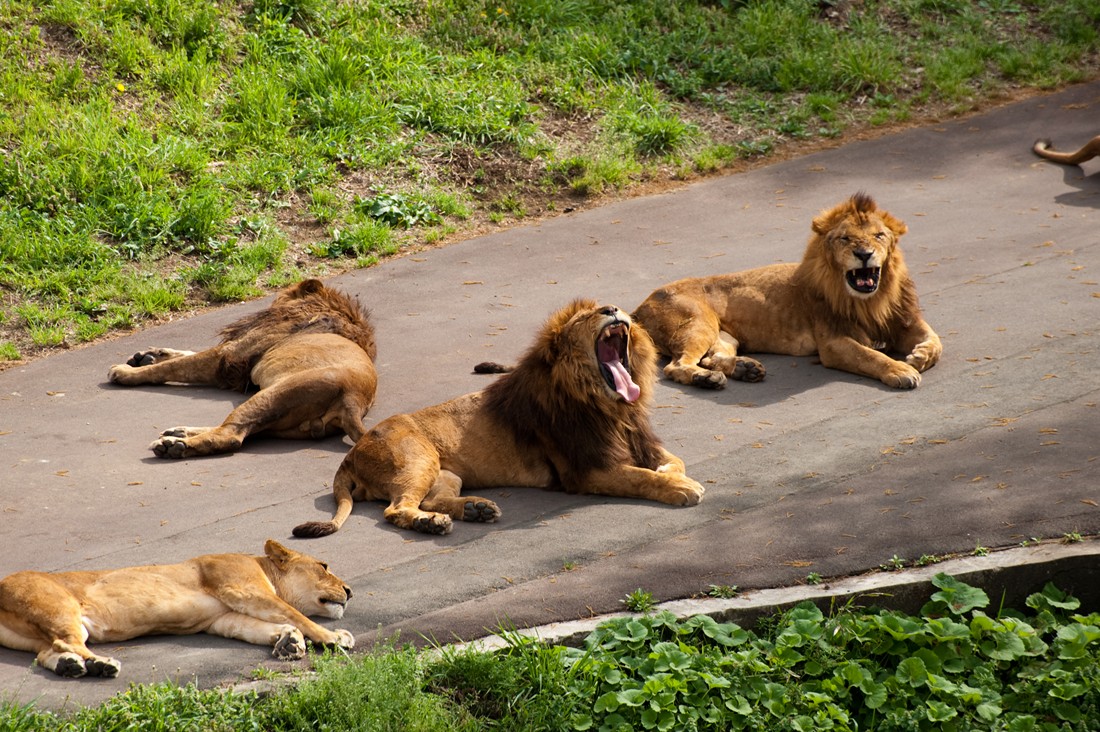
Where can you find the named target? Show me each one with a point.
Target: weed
(813, 578)
(980, 551)
(397, 210)
(893, 564)
(927, 559)
(724, 592)
(639, 601)
(8, 352)
(1072, 537)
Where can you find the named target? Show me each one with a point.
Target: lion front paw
(70, 666)
(925, 355)
(290, 645)
(903, 376)
(684, 492)
(169, 446)
(709, 380)
(344, 639)
(480, 509)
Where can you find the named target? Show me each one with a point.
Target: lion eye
(880, 235)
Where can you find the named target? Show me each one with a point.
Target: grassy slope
(157, 156)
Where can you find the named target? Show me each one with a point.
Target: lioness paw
(480, 510)
(108, 668)
(290, 646)
(748, 369)
(685, 492)
(70, 666)
(344, 639)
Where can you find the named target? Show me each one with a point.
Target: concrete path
(811, 470)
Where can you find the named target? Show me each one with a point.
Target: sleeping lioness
(262, 600)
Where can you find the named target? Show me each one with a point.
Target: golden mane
(819, 276)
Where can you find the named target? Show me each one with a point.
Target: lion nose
(863, 255)
(609, 310)
(347, 591)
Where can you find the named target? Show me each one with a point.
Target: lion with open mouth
(850, 300)
(572, 415)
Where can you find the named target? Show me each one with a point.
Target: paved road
(811, 470)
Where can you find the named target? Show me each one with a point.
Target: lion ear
(555, 325)
(278, 553)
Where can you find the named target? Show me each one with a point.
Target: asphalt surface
(812, 470)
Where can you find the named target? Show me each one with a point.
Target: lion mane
(573, 415)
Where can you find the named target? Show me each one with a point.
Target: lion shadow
(1085, 178)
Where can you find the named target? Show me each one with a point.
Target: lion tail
(492, 367)
(341, 491)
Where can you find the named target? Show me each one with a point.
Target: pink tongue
(623, 383)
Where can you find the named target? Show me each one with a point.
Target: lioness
(850, 296)
(573, 415)
(310, 355)
(1089, 151)
(262, 600)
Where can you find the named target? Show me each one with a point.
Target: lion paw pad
(484, 511)
(709, 380)
(290, 646)
(169, 447)
(435, 523)
(747, 369)
(108, 668)
(71, 667)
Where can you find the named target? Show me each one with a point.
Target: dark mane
(579, 431)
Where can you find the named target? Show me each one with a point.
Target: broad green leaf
(939, 712)
(958, 597)
(1068, 712)
(988, 711)
(911, 671)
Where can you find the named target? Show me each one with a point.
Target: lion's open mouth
(612, 354)
(864, 279)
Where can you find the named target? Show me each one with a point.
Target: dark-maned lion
(309, 357)
(850, 296)
(262, 600)
(572, 415)
(1090, 150)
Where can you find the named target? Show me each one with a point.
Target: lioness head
(306, 583)
(596, 352)
(856, 241)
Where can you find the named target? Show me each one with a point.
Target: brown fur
(1088, 151)
(551, 422)
(309, 356)
(262, 600)
(801, 309)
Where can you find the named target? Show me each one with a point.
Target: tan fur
(800, 309)
(1088, 151)
(262, 600)
(309, 357)
(552, 422)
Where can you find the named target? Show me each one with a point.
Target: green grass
(212, 151)
(959, 664)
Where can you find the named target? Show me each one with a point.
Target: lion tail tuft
(314, 529)
(492, 367)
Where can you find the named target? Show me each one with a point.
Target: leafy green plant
(813, 578)
(724, 592)
(397, 210)
(639, 601)
(893, 564)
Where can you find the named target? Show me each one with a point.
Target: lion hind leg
(444, 497)
(692, 348)
(409, 494)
